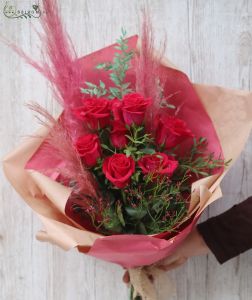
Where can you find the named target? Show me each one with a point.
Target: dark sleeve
(229, 234)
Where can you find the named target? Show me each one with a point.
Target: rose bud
(118, 169)
(134, 108)
(171, 131)
(158, 164)
(95, 112)
(88, 147)
(116, 108)
(117, 136)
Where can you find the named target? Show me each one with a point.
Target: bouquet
(136, 155)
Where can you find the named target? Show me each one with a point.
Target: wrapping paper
(223, 116)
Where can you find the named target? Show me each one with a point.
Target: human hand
(193, 245)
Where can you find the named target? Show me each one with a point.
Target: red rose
(158, 164)
(171, 131)
(134, 108)
(117, 136)
(118, 169)
(95, 111)
(89, 149)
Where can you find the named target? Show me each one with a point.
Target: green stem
(131, 292)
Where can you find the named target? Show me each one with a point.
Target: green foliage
(120, 214)
(140, 143)
(95, 90)
(135, 213)
(117, 68)
(198, 161)
(151, 205)
(111, 220)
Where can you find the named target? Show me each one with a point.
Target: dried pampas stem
(61, 147)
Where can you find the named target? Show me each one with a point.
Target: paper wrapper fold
(229, 114)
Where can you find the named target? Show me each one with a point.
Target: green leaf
(148, 151)
(102, 84)
(202, 139)
(90, 84)
(118, 47)
(228, 162)
(124, 32)
(125, 85)
(127, 91)
(115, 92)
(104, 92)
(203, 173)
(132, 149)
(104, 146)
(117, 61)
(130, 138)
(115, 79)
(95, 91)
(135, 176)
(157, 207)
(127, 152)
(124, 47)
(101, 66)
(141, 228)
(136, 213)
(119, 214)
(113, 224)
(85, 91)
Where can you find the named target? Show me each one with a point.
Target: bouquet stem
(132, 294)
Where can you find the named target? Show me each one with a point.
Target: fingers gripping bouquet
(128, 167)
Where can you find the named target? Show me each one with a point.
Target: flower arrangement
(140, 164)
(135, 157)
